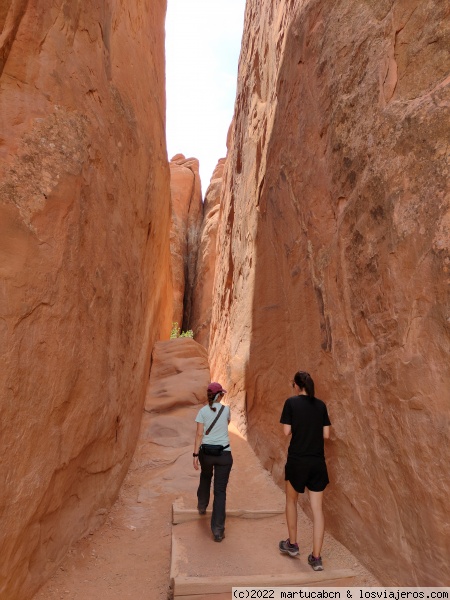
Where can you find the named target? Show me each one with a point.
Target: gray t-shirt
(219, 433)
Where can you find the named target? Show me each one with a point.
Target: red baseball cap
(215, 388)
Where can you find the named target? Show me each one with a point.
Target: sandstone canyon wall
(333, 256)
(187, 211)
(84, 264)
(202, 298)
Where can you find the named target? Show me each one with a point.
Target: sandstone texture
(187, 211)
(202, 298)
(84, 265)
(333, 256)
(179, 375)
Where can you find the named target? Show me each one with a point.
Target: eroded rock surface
(84, 265)
(205, 267)
(179, 375)
(333, 256)
(187, 212)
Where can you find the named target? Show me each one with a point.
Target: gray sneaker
(286, 547)
(316, 563)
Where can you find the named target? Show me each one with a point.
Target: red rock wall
(84, 264)
(334, 257)
(187, 214)
(202, 298)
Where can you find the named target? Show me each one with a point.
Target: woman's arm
(197, 443)
(326, 432)
(287, 429)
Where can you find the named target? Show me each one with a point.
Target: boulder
(333, 257)
(179, 375)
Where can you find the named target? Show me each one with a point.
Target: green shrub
(189, 333)
(176, 333)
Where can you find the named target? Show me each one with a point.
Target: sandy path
(129, 556)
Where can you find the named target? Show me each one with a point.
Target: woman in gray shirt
(212, 450)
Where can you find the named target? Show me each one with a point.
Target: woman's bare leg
(315, 499)
(291, 512)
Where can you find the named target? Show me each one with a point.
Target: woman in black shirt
(306, 419)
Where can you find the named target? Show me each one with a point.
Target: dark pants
(221, 466)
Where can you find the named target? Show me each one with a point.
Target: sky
(203, 39)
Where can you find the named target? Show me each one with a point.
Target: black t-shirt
(307, 418)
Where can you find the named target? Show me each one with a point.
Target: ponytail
(211, 397)
(305, 382)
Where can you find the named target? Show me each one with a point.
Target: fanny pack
(213, 449)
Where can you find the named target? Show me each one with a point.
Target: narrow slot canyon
(321, 243)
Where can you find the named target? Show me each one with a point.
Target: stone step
(247, 557)
(225, 596)
(221, 586)
(182, 515)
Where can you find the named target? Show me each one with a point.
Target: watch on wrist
(194, 455)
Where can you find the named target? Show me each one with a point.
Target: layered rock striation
(187, 214)
(84, 265)
(333, 256)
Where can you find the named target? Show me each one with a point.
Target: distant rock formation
(84, 265)
(333, 256)
(187, 211)
(205, 268)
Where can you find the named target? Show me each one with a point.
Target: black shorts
(309, 471)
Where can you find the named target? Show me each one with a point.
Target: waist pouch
(212, 449)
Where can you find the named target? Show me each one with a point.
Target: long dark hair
(305, 382)
(211, 398)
